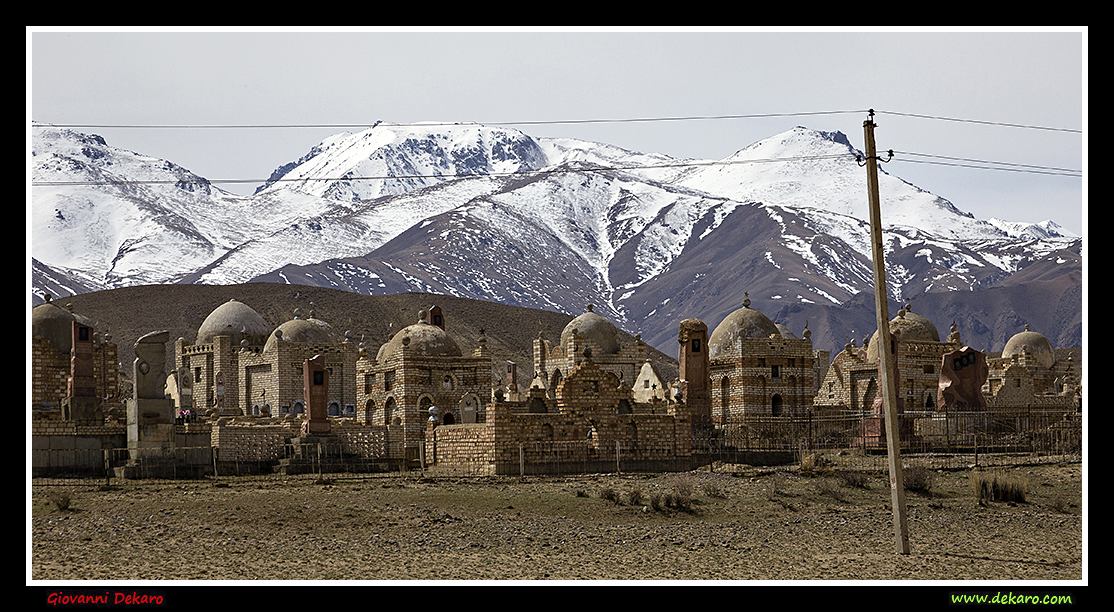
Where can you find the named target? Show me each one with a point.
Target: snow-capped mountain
(1038, 231)
(494, 214)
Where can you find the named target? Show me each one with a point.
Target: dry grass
(918, 478)
(998, 487)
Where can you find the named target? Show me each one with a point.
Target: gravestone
(81, 403)
(316, 385)
(150, 412)
(962, 374)
(185, 389)
(873, 429)
(151, 415)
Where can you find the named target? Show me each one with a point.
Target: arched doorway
(369, 411)
(554, 381)
(389, 411)
(775, 405)
(724, 398)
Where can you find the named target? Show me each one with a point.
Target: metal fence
(942, 439)
(845, 441)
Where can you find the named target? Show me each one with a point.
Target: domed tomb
(234, 319)
(1035, 344)
(420, 338)
(304, 331)
(595, 328)
(904, 328)
(55, 323)
(742, 323)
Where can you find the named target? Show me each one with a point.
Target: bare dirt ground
(733, 523)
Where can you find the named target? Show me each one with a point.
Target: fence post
(1029, 426)
(521, 461)
(617, 470)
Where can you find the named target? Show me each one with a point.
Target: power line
(990, 165)
(998, 123)
(547, 122)
(441, 123)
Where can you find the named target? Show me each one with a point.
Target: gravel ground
(734, 523)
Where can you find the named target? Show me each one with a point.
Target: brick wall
(764, 370)
(50, 373)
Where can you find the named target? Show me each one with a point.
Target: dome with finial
(304, 331)
(742, 323)
(912, 316)
(906, 328)
(421, 338)
(1032, 343)
(234, 319)
(595, 328)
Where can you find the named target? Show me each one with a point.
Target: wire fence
(848, 441)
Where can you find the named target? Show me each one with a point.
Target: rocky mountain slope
(496, 215)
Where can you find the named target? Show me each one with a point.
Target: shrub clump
(998, 487)
(857, 480)
(918, 478)
(610, 495)
(712, 489)
(60, 499)
(814, 463)
(634, 496)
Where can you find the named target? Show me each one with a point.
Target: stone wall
(66, 448)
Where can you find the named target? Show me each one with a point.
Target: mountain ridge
(494, 214)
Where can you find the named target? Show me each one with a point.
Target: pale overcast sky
(1035, 78)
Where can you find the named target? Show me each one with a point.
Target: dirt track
(738, 524)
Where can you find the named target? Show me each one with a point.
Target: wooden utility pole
(886, 355)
